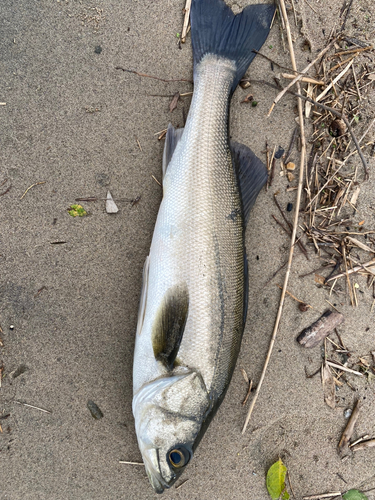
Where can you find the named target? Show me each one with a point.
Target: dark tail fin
(216, 30)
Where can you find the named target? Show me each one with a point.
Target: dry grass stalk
(306, 79)
(295, 222)
(338, 77)
(299, 76)
(349, 429)
(186, 21)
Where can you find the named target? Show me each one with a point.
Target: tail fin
(216, 30)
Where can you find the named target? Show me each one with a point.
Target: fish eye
(178, 457)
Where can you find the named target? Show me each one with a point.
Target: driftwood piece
(318, 331)
(349, 429)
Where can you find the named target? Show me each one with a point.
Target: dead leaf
(320, 279)
(174, 101)
(329, 387)
(355, 195)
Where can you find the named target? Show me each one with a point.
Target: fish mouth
(154, 475)
(157, 483)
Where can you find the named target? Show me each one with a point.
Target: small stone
(98, 49)
(95, 411)
(290, 165)
(244, 84)
(289, 207)
(347, 412)
(279, 153)
(110, 205)
(11, 327)
(290, 176)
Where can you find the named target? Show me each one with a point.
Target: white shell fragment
(110, 205)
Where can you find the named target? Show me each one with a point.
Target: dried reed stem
(295, 222)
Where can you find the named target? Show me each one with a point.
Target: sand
(68, 311)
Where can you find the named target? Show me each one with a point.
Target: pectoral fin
(251, 173)
(170, 324)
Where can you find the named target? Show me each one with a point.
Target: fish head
(168, 416)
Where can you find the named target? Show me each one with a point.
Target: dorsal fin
(171, 141)
(251, 173)
(169, 325)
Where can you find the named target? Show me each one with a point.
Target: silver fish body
(192, 310)
(198, 244)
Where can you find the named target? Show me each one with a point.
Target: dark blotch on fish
(95, 411)
(233, 215)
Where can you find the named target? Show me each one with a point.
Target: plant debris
(28, 189)
(174, 101)
(343, 445)
(329, 386)
(76, 211)
(276, 481)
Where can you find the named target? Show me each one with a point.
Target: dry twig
(186, 21)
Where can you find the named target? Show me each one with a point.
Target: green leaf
(354, 495)
(77, 211)
(276, 481)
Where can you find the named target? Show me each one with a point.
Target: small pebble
(347, 413)
(98, 49)
(279, 153)
(290, 165)
(11, 327)
(95, 411)
(289, 207)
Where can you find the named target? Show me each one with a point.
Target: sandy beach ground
(76, 126)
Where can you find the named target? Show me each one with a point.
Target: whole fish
(194, 297)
